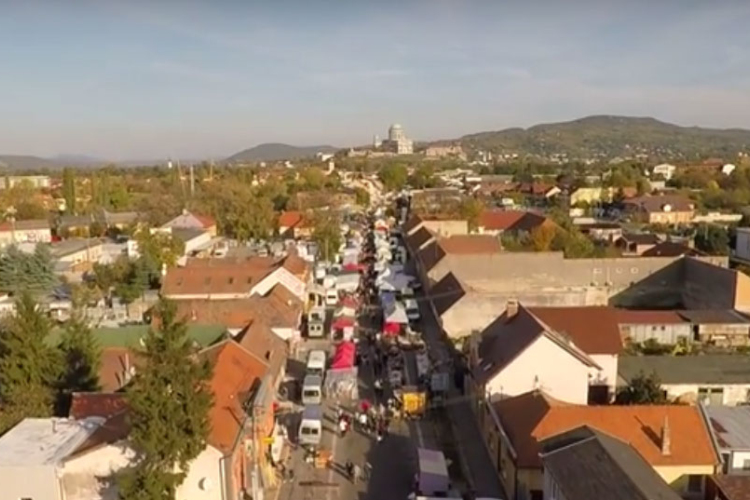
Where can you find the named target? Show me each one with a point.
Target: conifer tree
(29, 368)
(81, 355)
(169, 401)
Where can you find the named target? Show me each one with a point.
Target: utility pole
(192, 180)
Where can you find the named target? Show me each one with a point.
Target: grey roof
(186, 234)
(715, 316)
(641, 238)
(587, 463)
(446, 293)
(67, 247)
(699, 369)
(730, 426)
(31, 224)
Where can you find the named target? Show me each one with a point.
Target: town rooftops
(641, 238)
(419, 238)
(64, 248)
(654, 317)
(715, 317)
(186, 234)
(587, 464)
(730, 425)
(671, 249)
(470, 244)
(45, 441)
(292, 219)
(594, 328)
(96, 404)
(446, 292)
(698, 369)
(25, 225)
(662, 203)
(236, 376)
(732, 487)
(532, 417)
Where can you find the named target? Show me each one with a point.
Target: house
(261, 340)
(442, 226)
(724, 327)
(195, 240)
(188, 220)
(712, 379)
(25, 231)
(33, 456)
(734, 487)
(741, 246)
(434, 260)
(570, 353)
(75, 257)
(661, 209)
(33, 181)
(637, 243)
(585, 463)
(496, 222)
(539, 192)
(728, 426)
(665, 327)
(673, 439)
(235, 278)
(607, 232)
(671, 249)
(665, 170)
(295, 225)
(241, 420)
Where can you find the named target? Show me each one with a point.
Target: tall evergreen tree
(69, 190)
(21, 272)
(81, 356)
(29, 368)
(169, 401)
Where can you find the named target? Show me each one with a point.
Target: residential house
(295, 225)
(78, 226)
(637, 243)
(726, 327)
(585, 463)
(665, 170)
(661, 209)
(241, 423)
(75, 257)
(235, 278)
(607, 232)
(729, 428)
(538, 193)
(664, 327)
(189, 220)
(673, 439)
(712, 379)
(195, 240)
(672, 249)
(591, 195)
(441, 226)
(496, 222)
(25, 231)
(570, 353)
(434, 259)
(33, 181)
(721, 487)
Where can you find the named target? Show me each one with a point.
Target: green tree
(29, 368)
(470, 209)
(326, 234)
(159, 249)
(30, 210)
(169, 400)
(393, 176)
(362, 196)
(712, 239)
(82, 357)
(69, 190)
(21, 271)
(422, 177)
(642, 390)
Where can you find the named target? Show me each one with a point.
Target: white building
(665, 170)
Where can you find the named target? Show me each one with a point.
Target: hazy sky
(148, 79)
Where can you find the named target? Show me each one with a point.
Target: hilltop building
(397, 141)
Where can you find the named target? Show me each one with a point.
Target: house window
(711, 395)
(695, 483)
(537, 494)
(746, 464)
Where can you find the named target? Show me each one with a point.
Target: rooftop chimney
(666, 440)
(511, 308)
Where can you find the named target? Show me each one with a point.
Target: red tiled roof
(657, 203)
(116, 363)
(290, 219)
(529, 418)
(206, 220)
(499, 220)
(96, 404)
(236, 372)
(217, 276)
(593, 329)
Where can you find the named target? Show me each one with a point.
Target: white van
(316, 363)
(412, 309)
(332, 297)
(312, 390)
(311, 426)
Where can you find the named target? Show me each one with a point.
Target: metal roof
(698, 369)
(730, 426)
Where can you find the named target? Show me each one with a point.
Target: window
(695, 483)
(537, 495)
(746, 464)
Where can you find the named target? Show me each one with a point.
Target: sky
(135, 79)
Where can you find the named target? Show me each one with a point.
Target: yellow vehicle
(414, 402)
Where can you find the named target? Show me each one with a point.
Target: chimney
(666, 440)
(511, 309)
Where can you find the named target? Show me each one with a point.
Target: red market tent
(391, 328)
(342, 322)
(344, 356)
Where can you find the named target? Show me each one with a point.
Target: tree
(393, 176)
(362, 197)
(470, 209)
(712, 239)
(30, 210)
(29, 368)
(21, 271)
(159, 249)
(642, 390)
(82, 357)
(422, 177)
(326, 234)
(69, 190)
(169, 400)
(542, 237)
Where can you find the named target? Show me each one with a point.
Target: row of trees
(168, 399)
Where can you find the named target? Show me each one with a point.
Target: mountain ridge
(274, 151)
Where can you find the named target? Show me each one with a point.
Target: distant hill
(77, 160)
(23, 162)
(277, 151)
(613, 136)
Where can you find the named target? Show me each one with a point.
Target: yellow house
(674, 440)
(590, 195)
